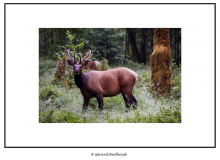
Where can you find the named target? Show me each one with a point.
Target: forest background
(117, 45)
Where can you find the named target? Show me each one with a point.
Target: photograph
(120, 80)
(109, 75)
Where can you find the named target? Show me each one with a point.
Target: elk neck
(79, 80)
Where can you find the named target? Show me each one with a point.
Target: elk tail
(135, 76)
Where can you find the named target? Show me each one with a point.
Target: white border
(197, 23)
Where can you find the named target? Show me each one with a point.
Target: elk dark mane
(79, 80)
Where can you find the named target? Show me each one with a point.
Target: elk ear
(71, 63)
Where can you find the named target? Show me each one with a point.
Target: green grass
(58, 105)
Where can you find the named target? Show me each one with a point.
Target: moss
(61, 69)
(160, 59)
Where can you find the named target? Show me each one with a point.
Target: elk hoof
(84, 116)
(127, 109)
(134, 107)
(83, 111)
(102, 112)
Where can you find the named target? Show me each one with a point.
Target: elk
(61, 69)
(101, 84)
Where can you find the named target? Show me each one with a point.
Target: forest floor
(57, 104)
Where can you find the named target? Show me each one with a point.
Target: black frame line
(215, 74)
(110, 4)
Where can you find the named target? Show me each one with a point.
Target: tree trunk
(151, 42)
(60, 35)
(159, 63)
(143, 42)
(127, 43)
(177, 43)
(41, 41)
(52, 42)
(46, 41)
(179, 46)
(175, 47)
(132, 41)
(150, 35)
(125, 48)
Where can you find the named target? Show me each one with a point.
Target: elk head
(77, 66)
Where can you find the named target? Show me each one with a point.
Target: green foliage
(71, 40)
(46, 66)
(176, 84)
(63, 116)
(105, 42)
(176, 89)
(171, 115)
(135, 66)
(46, 117)
(48, 92)
(172, 64)
(104, 64)
(93, 103)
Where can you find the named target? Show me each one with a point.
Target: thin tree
(132, 41)
(143, 42)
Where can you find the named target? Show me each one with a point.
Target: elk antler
(80, 59)
(68, 55)
(74, 55)
(85, 57)
(89, 55)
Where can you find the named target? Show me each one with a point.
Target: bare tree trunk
(41, 41)
(132, 41)
(52, 42)
(143, 48)
(46, 41)
(180, 47)
(150, 36)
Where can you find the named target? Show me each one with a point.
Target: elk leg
(100, 101)
(127, 102)
(85, 104)
(133, 101)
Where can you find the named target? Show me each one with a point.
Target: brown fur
(109, 83)
(93, 66)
